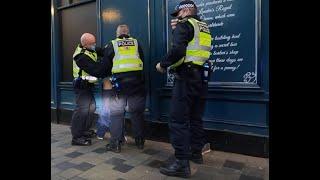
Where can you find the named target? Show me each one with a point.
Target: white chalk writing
(227, 42)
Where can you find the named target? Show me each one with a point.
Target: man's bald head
(122, 29)
(87, 40)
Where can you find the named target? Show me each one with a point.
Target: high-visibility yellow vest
(126, 56)
(198, 49)
(93, 56)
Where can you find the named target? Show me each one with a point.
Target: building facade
(237, 111)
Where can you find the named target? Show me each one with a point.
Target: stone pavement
(93, 162)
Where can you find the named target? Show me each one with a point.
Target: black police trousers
(82, 117)
(187, 106)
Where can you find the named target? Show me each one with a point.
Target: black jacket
(91, 67)
(128, 86)
(181, 36)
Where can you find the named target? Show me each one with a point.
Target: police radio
(206, 71)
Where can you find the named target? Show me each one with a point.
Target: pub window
(62, 3)
(75, 21)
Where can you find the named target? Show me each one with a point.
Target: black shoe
(123, 141)
(114, 147)
(81, 141)
(197, 158)
(90, 134)
(179, 168)
(139, 143)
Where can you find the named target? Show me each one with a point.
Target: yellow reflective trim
(205, 39)
(178, 63)
(198, 49)
(126, 57)
(93, 56)
(199, 53)
(126, 65)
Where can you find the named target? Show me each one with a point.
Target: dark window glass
(61, 3)
(74, 22)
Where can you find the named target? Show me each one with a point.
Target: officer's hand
(174, 23)
(160, 69)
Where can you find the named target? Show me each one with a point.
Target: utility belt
(120, 83)
(186, 69)
(82, 82)
(79, 83)
(130, 79)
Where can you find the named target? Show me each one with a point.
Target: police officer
(123, 57)
(191, 45)
(86, 70)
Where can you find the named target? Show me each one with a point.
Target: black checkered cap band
(186, 6)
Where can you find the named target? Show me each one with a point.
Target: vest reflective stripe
(121, 66)
(126, 56)
(197, 55)
(127, 65)
(196, 60)
(198, 49)
(76, 69)
(205, 48)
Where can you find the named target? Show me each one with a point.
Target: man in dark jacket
(191, 45)
(123, 59)
(86, 71)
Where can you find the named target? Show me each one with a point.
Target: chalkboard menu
(234, 26)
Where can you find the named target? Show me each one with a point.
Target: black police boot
(196, 157)
(139, 142)
(81, 141)
(179, 168)
(114, 147)
(123, 141)
(89, 134)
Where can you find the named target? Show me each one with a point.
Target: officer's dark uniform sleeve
(100, 51)
(141, 55)
(182, 35)
(88, 65)
(140, 52)
(107, 59)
